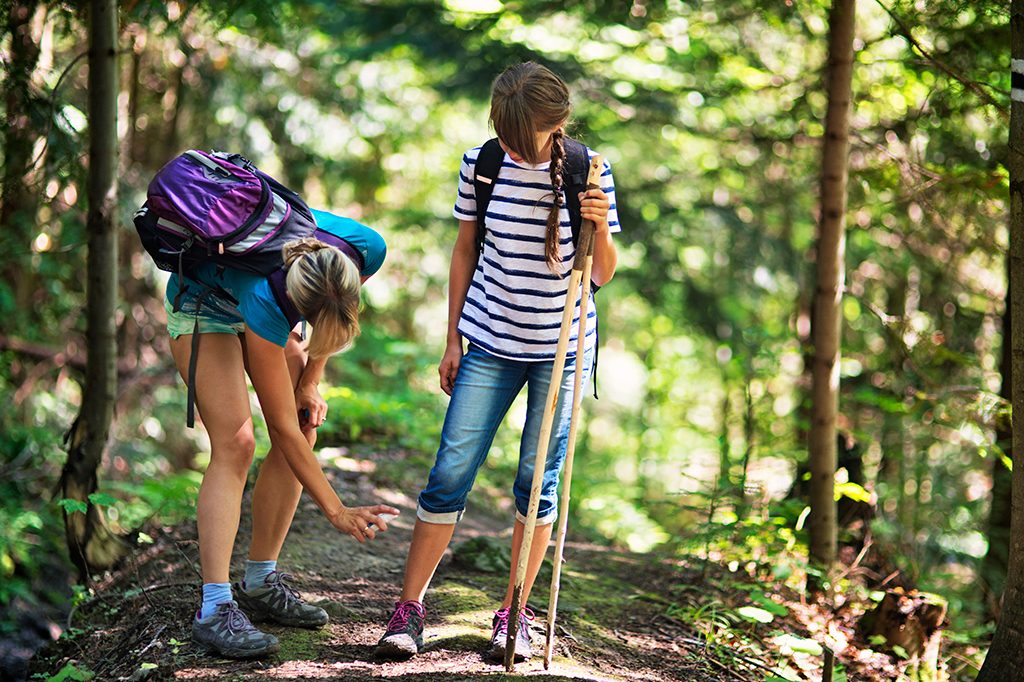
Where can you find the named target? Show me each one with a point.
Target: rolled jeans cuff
(545, 520)
(447, 518)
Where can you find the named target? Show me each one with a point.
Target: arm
(312, 408)
(464, 259)
(269, 373)
(594, 206)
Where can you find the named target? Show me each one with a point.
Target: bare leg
(277, 491)
(541, 538)
(222, 398)
(429, 540)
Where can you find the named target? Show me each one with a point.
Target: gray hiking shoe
(404, 637)
(229, 633)
(499, 634)
(277, 601)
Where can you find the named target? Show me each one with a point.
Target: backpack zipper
(215, 167)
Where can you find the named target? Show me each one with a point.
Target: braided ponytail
(551, 237)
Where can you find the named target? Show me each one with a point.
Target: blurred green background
(711, 116)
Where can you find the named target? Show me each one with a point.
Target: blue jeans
(484, 389)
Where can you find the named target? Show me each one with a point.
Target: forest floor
(613, 620)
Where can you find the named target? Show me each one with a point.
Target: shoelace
(525, 617)
(238, 622)
(281, 581)
(400, 618)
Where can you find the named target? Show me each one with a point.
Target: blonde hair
(526, 99)
(323, 284)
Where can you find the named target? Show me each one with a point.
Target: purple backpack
(216, 207)
(219, 207)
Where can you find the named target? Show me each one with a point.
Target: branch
(60, 358)
(126, 369)
(971, 85)
(53, 110)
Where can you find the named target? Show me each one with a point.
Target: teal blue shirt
(256, 306)
(366, 241)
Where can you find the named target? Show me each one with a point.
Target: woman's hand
(312, 407)
(594, 205)
(356, 520)
(449, 367)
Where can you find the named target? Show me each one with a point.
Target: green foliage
(709, 618)
(377, 416)
(171, 499)
(31, 538)
(372, 398)
(754, 614)
(711, 115)
(73, 506)
(767, 604)
(788, 642)
(71, 672)
(485, 553)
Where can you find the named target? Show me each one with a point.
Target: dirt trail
(137, 626)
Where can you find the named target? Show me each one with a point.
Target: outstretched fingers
(372, 520)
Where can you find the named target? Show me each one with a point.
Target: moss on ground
(452, 598)
(302, 645)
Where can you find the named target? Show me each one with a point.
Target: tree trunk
(723, 485)
(91, 544)
(748, 449)
(831, 244)
(993, 567)
(1003, 659)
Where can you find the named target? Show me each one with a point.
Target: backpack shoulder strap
(574, 181)
(488, 165)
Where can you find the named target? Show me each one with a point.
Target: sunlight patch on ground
(339, 459)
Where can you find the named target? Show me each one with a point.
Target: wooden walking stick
(584, 251)
(563, 514)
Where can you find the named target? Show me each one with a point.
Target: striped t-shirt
(514, 305)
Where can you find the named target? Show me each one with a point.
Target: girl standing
(246, 324)
(507, 302)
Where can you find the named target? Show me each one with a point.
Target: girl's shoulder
(470, 156)
(591, 152)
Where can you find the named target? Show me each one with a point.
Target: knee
(448, 485)
(448, 480)
(235, 452)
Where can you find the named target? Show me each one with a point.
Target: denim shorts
(484, 390)
(217, 315)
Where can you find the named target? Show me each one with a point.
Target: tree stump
(911, 625)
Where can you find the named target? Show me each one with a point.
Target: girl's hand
(594, 206)
(449, 367)
(312, 407)
(356, 521)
